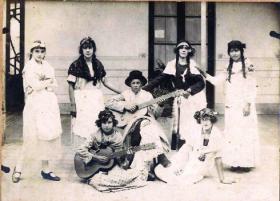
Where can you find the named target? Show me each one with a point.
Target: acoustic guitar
(124, 117)
(86, 171)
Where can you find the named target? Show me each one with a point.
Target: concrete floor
(261, 184)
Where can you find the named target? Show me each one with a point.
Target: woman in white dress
(241, 130)
(85, 76)
(200, 156)
(41, 117)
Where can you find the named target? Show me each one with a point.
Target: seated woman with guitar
(136, 108)
(96, 159)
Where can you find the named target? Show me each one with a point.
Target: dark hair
(190, 54)
(235, 44)
(205, 113)
(104, 116)
(87, 42)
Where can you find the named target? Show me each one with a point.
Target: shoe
(5, 169)
(50, 176)
(15, 178)
(151, 177)
(163, 160)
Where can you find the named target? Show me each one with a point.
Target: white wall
(251, 23)
(120, 31)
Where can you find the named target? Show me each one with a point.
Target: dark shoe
(50, 176)
(5, 169)
(151, 177)
(163, 160)
(234, 169)
(181, 143)
(15, 178)
(245, 169)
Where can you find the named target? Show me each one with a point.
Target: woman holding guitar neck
(121, 176)
(181, 73)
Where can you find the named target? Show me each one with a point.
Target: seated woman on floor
(202, 153)
(124, 174)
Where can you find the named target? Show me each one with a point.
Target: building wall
(120, 31)
(251, 23)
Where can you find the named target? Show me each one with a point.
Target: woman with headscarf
(181, 74)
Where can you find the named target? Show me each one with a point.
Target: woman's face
(107, 126)
(206, 123)
(135, 85)
(184, 51)
(38, 54)
(87, 51)
(235, 54)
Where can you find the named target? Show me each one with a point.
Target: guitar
(124, 117)
(86, 171)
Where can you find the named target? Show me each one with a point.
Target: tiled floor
(261, 184)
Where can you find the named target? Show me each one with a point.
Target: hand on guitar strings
(131, 108)
(183, 93)
(100, 158)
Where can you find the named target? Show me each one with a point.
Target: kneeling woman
(121, 176)
(202, 153)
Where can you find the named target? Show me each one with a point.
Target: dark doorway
(14, 30)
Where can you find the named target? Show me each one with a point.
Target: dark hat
(182, 43)
(135, 74)
(236, 44)
(206, 113)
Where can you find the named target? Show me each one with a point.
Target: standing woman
(85, 76)
(41, 117)
(181, 73)
(241, 130)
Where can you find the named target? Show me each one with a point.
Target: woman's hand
(131, 108)
(246, 110)
(99, 158)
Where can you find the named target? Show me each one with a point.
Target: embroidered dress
(88, 95)
(242, 140)
(41, 117)
(116, 179)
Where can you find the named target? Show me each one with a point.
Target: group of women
(237, 147)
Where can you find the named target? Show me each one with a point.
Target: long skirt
(242, 140)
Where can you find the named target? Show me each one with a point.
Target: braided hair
(240, 46)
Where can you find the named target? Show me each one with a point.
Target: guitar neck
(156, 100)
(133, 149)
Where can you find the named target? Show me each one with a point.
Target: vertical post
(203, 35)
(151, 70)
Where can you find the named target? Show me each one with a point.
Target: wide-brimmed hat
(135, 74)
(236, 44)
(182, 43)
(38, 44)
(206, 113)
